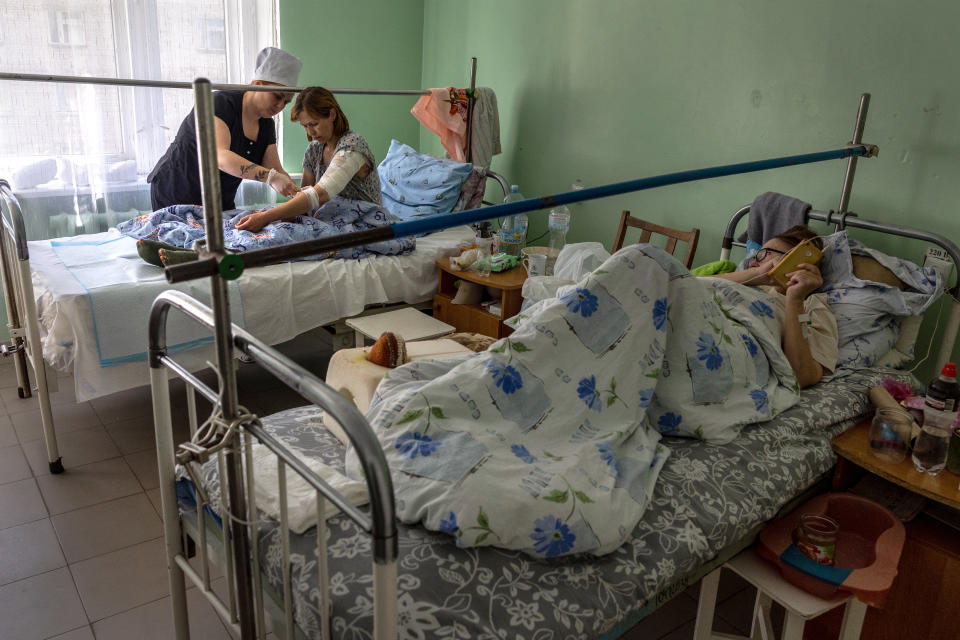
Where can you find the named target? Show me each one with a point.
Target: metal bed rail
(380, 523)
(22, 320)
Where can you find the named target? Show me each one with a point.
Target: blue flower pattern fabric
(182, 225)
(535, 442)
(869, 313)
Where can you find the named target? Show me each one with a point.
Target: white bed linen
(279, 302)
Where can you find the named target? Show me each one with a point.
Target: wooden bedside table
(473, 317)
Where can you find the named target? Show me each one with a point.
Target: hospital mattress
(708, 502)
(94, 295)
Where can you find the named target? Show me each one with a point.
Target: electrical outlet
(940, 260)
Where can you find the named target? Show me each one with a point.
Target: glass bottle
(513, 230)
(558, 224)
(939, 416)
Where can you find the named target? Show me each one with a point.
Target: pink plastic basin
(869, 543)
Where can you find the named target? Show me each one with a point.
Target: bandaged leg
(149, 250)
(175, 255)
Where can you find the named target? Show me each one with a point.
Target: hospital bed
(709, 503)
(69, 299)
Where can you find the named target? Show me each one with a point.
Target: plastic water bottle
(513, 231)
(939, 415)
(558, 224)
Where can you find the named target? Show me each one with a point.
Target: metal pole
(273, 255)
(852, 161)
(167, 84)
(213, 216)
(471, 103)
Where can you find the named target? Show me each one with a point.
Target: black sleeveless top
(176, 178)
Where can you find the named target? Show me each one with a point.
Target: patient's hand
(252, 222)
(804, 281)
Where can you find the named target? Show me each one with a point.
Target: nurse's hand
(282, 183)
(251, 222)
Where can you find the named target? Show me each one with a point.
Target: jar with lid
(816, 537)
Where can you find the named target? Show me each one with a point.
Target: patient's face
(772, 251)
(318, 128)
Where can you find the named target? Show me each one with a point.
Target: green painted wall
(611, 90)
(352, 45)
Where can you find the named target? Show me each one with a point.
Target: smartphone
(805, 252)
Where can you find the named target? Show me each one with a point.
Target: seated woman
(809, 327)
(338, 161)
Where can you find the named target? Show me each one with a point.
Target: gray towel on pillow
(773, 213)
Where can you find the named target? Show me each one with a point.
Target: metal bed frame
(245, 607)
(22, 320)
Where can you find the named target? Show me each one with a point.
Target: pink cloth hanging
(444, 111)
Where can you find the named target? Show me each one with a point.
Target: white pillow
(34, 173)
(125, 171)
(72, 172)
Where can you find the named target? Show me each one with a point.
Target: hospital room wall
(367, 44)
(608, 91)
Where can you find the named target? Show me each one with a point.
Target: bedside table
(473, 317)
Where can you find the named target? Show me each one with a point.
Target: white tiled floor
(81, 552)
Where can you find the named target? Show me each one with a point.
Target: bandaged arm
(343, 166)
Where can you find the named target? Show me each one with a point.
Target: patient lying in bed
(809, 327)
(548, 441)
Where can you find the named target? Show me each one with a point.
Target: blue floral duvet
(549, 441)
(182, 225)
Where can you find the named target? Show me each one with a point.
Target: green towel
(713, 268)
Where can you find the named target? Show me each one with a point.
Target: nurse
(246, 140)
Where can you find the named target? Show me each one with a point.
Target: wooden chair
(648, 228)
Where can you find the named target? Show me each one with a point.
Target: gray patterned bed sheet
(707, 498)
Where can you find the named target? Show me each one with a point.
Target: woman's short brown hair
(797, 234)
(319, 102)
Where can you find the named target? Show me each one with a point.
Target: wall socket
(940, 260)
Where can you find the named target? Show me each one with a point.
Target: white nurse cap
(276, 65)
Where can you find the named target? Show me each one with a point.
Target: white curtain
(78, 153)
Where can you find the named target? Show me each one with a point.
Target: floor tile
(121, 580)
(154, 495)
(134, 435)
(28, 550)
(110, 526)
(26, 611)
(8, 376)
(16, 404)
(66, 418)
(20, 502)
(88, 484)
(731, 583)
(13, 466)
(125, 405)
(144, 465)
(83, 633)
(154, 621)
(77, 448)
(7, 435)
(686, 631)
(737, 611)
(672, 615)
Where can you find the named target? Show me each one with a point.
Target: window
(212, 35)
(98, 125)
(66, 27)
